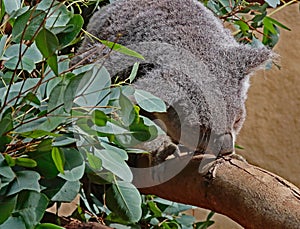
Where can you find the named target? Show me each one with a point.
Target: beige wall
(271, 133)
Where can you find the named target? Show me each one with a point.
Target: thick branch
(251, 196)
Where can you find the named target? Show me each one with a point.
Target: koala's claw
(166, 149)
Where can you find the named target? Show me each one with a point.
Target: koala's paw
(166, 149)
(160, 148)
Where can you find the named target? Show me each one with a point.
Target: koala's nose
(226, 142)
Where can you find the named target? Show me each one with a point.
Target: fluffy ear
(246, 59)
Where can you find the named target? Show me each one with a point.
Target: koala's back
(186, 24)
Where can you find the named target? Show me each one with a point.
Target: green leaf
(99, 118)
(74, 165)
(25, 162)
(122, 153)
(7, 205)
(124, 199)
(273, 3)
(26, 64)
(53, 64)
(9, 160)
(92, 88)
(32, 98)
(74, 26)
(133, 72)
(31, 21)
(25, 180)
(149, 102)
(154, 209)
(43, 157)
(30, 52)
(38, 134)
(94, 162)
(31, 207)
(48, 44)
(48, 226)
(243, 26)
(13, 222)
(6, 123)
(269, 25)
(5, 170)
(2, 10)
(2, 45)
(186, 220)
(113, 162)
(58, 159)
(11, 5)
(121, 49)
(127, 112)
(61, 190)
(272, 20)
(58, 15)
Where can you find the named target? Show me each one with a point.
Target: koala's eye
(239, 118)
(237, 121)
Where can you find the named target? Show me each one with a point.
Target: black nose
(226, 143)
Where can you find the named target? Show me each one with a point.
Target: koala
(191, 62)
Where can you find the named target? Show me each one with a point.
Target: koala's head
(206, 98)
(197, 67)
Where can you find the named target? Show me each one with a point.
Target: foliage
(252, 22)
(60, 124)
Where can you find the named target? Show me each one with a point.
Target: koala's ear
(247, 59)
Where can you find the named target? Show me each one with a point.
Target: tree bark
(253, 197)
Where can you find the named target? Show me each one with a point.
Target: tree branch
(253, 197)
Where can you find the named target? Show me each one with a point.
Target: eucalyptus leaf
(24, 63)
(121, 49)
(273, 3)
(25, 162)
(93, 88)
(43, 156)
(127, 112)
(67, 36)
(27, 25)
(48, 226)
(12, 5)
(20, 88)
(5, 170)
(6, 123)
(31, 206)
(38, 134)
(25, 180)
(7, 205)
(59, 15)
(94, 162)
(113, 162)
(133, 72)
(58, 159)
(3, 40)
(61, 190)
(47, 42)
(74, 165)
(124, 199)
(13, 222)
(149, 102)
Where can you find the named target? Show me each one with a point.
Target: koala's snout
(220, 144)
(226, 143)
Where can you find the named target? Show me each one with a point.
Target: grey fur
(197, 67)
